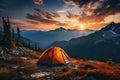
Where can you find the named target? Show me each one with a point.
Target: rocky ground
(18, 52)
(25, 68)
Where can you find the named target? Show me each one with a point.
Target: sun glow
(75, 24)
(82, 27)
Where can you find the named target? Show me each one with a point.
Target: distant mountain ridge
(45, 38)
(103, 44)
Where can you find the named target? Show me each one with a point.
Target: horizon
(44, 15)
(60, 27)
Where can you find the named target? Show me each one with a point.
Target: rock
(40, 74)
(15, 67)
(2, 58)
(18, 52)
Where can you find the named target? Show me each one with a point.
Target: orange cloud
(38, 2)
(93, 14)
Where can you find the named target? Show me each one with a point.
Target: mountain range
(101, 45)
(45, 38)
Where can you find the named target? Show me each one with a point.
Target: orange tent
(54, 56)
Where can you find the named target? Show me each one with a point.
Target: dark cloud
(3, 5)
(43, 21)
(46, 14)
(40, 18)
(95, 10)
(32, 22)
(45, 17)
(15, 8)
(70, 15)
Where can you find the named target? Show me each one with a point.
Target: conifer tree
(29, 45)
(7, 38)
(13, 33)
(19, 42)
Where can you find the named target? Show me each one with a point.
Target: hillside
(78, 69)
(101, 45)
(17, 52)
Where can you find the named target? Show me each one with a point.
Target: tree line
(11, 39)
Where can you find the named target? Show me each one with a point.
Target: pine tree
(40, 49)
(7, 38)
(19, 42)
(13, 33)
(29, 45)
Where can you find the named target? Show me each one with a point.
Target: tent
(54, 56)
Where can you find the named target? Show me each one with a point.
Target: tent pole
(66, 55)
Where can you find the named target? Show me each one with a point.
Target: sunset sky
(52, 14)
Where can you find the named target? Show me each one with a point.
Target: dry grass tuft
(90, 70)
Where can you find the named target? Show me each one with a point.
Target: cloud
(41, 19)
(61, 11)
(43, 16)
(62, 25)
(95, 10)
(22, 24)
(3, 5)
(32, 22)
(70, 15)
(38, 2)
(47, 14)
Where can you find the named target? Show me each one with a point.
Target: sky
(52, 14)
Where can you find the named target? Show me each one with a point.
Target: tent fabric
(53, 56)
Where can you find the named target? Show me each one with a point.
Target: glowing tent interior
(54, 56)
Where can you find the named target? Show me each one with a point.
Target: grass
(16, 60)
(70, 74)
(7, 74)
(22, 72)
(100, 75)
(98, 70)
